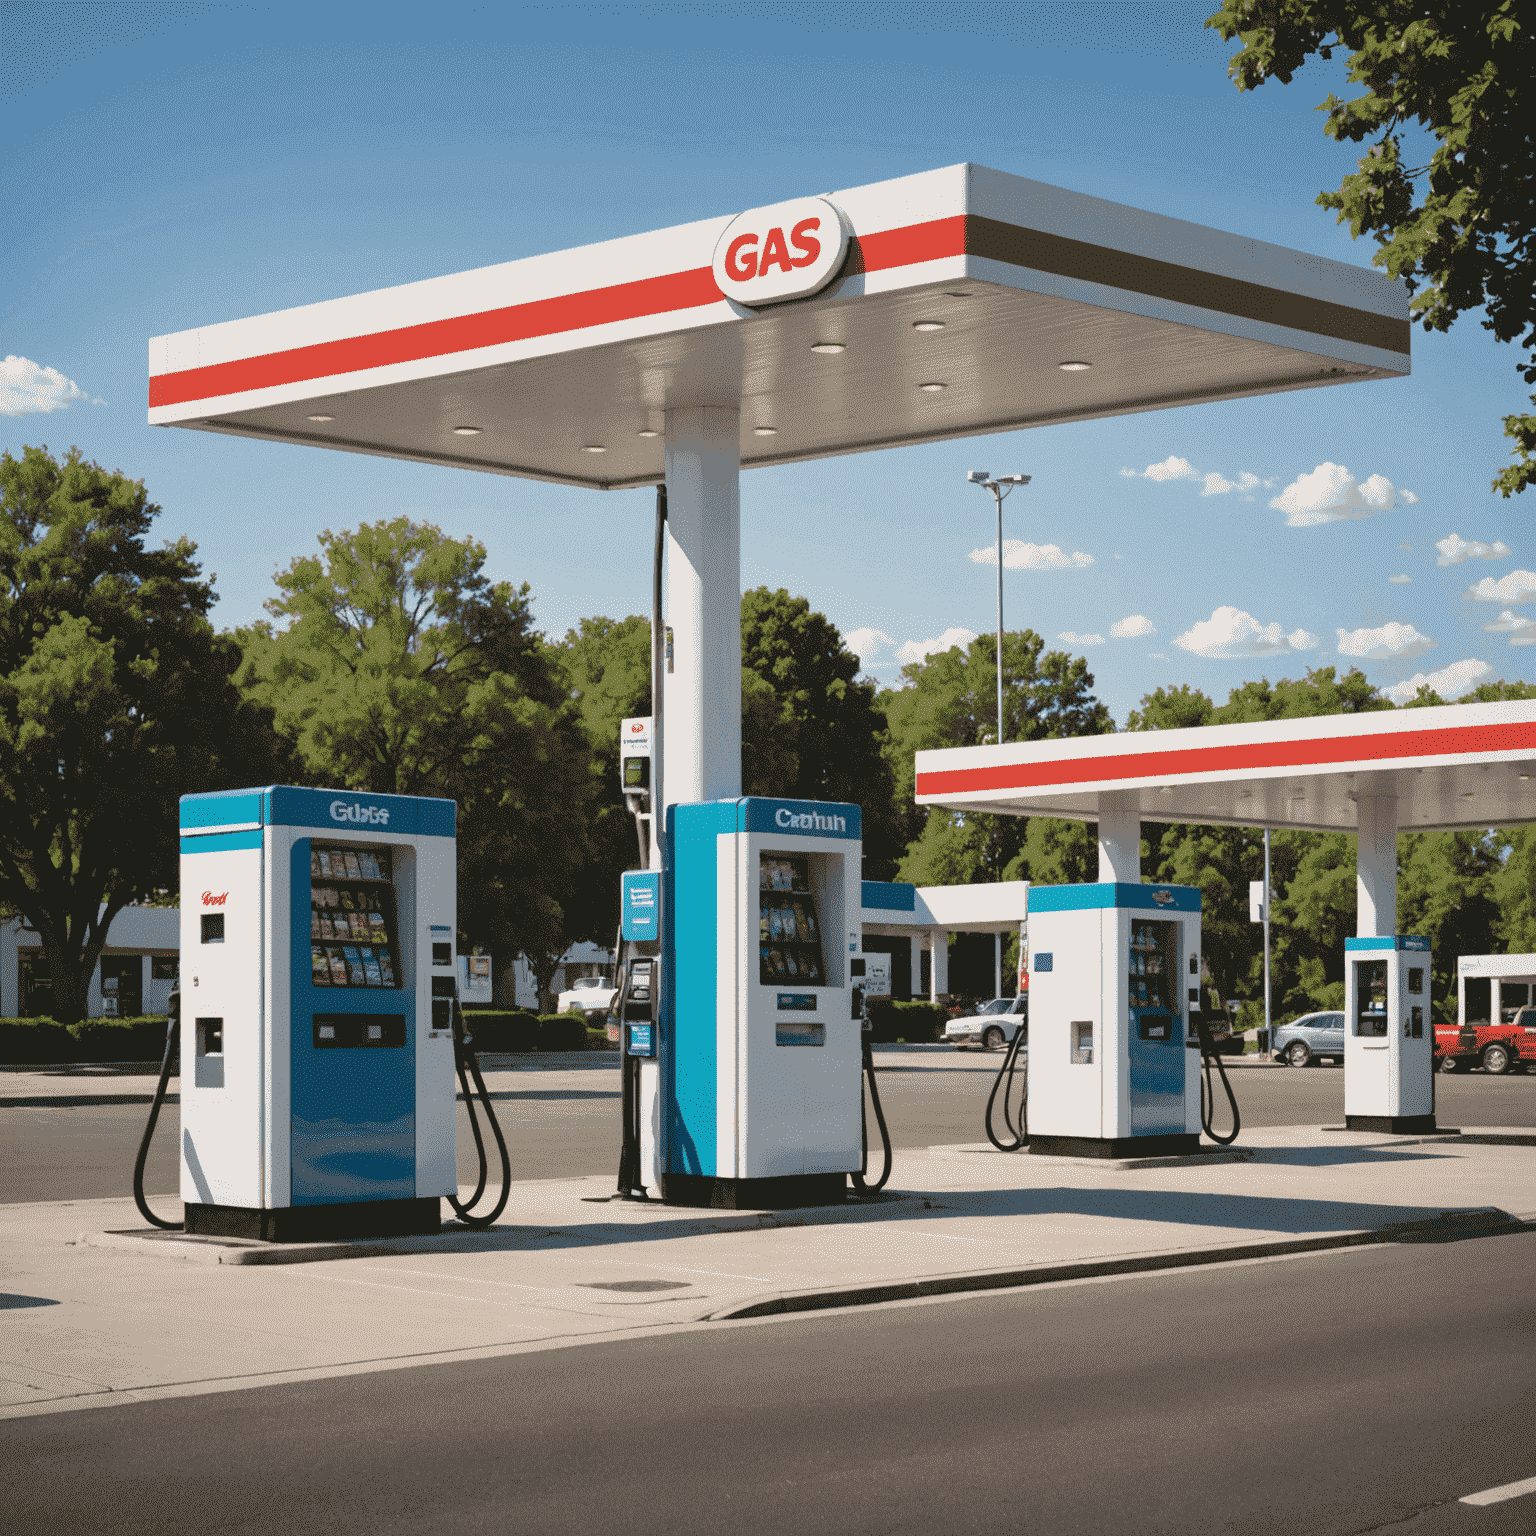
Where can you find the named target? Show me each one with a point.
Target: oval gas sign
(784, 252)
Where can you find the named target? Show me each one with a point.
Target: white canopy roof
(1464, 765)
(561, 367)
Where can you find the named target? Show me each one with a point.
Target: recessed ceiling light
(1074, 367)
(1525, 776)
(1466, 794)
(468, 431)
(322, 418)
(932, 389)
(927, 325)
(829, 348)
(593, 448)
(765, 431)
(647, 432)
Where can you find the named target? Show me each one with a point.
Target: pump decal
(808, 821)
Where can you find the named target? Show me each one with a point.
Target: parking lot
(561, 1114)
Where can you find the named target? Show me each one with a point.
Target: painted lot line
(1503, 1492)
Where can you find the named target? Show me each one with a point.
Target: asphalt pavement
(65, 1135)
(1369, 1390)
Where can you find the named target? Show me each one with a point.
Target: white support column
(917, 962)
(702, 745)
(938, 967)
(1119, 842)
(1376, 867)
(997, 965)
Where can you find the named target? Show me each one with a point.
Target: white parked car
(992, 1025)
(590, 995)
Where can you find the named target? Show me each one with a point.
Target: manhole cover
(634, 1285)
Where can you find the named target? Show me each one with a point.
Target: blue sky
(180, 164)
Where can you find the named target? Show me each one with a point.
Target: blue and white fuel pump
(1389, 1040)
(755, 1097)
(318, 1014)
(1114, 1051)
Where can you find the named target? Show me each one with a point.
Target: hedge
(915, 1022)
(42, 1042)
(515, 1030)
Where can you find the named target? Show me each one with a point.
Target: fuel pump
(325, 1030)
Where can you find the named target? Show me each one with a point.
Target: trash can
(1263, 1042)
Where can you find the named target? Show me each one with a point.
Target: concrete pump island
(319, 1083)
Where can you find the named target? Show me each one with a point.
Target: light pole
(1001, 488)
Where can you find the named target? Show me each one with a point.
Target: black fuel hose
(466, 1061)
(1004, 1080)
(860, 1183)
(1208, 1054)
(172, 1033)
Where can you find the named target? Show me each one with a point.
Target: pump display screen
(789, 935)
(353, 938)
(1154, 966)
(1371, 997)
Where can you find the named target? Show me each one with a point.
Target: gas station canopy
(1467, 765)
(961, 301)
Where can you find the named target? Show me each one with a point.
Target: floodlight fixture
(1000, 488)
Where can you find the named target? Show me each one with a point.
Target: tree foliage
(949, 700)
(116, 698)
(393, 664)
(1457, 230)
(827, 718)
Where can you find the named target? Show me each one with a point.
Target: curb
(1456, 1227)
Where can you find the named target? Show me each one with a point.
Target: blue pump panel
(640, 904)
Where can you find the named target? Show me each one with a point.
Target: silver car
(992, 1025)
(1310, 1038)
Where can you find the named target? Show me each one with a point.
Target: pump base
(780, 1194)
(1395, 1125)
(312, 1223)
(1176, 1144)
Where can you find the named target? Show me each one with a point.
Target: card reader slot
(359, 1031)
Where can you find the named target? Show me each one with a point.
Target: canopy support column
(702, 746)
(1119, 843)
(1376, 867)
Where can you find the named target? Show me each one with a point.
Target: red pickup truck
(1496, 1048)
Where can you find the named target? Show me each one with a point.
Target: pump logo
(784, 252)
(365, 815)
(210, 900)
(1163, 898)
(808, 821)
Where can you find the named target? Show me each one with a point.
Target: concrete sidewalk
(101, 1312)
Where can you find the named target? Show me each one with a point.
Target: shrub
(502, 1029)
(913, 1022)
(562, 1032)
(42, 1042)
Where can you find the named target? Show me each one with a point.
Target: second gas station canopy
(951, 304)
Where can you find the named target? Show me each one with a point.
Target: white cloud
(1229, 632)
(1170, 469)
(1019, 556)
(1399, 581)
(27, 387)
(1454, 549)
(916, 650)
(1132, 627)
(1517, 587)
(1215, 484)
(1520, 631)
(1330, 494)
(1399, 641)
(865, 643)
(1449, 682)
(1073, 638)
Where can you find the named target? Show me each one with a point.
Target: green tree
(393, 664)
(116, 698)
(1514, 890)
(828, 719)
(949, 700)
(1457, 230)
(1445, 891)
